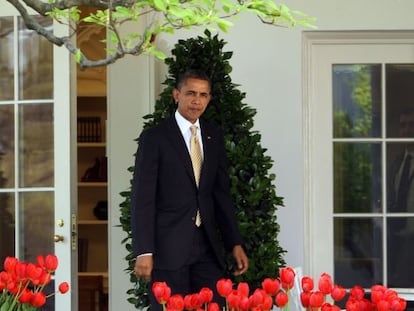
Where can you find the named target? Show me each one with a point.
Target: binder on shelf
(89, 129)
(82, 255)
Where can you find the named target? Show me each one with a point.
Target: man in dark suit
(169, 196)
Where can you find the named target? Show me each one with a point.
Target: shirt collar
(183, 123)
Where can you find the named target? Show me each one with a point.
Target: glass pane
(6, 146)
(35, 62)
(400, 237)
(356, 100)
(358, 251)
(36, 224)
(36, 145)
(7, 225)
(357, 177)
(400, 99)
(400, 185)
(6, 58)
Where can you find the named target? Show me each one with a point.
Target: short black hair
(191, 74)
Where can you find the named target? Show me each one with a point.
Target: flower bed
(277, 292)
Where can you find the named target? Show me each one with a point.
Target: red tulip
(20, 270)
(192, 301)
(398, 304)
(357, 292)
(352, 305)
(383, 305)
(325, 283)
(161, 292)
(338, 293)
(244, 303)
(377, 293)
(34, 273)
(329, 307)
(45, 278)
(281, 299)
(213, 306)
(4, 276)
(224, 287)
(316, 299)
(10, 264)
(206, 295)
(51, 263)
(175, 303)
(307, 284)
(63, 287)
(257, 298)
(25, 296)
(287, 277)
(38, 299)
(243, 289)
(267, 303)
(390, 294)
(365, 305)
(304, 299)
(271, 286)
(233, 300)
(41, 261)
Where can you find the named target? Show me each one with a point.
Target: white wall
(129, 98)
(267, 63)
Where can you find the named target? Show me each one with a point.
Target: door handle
(58, 238)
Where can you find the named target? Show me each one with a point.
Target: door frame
(314, 187)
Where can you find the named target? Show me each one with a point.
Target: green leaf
(78, 56)
(223, 24)
(160, 5)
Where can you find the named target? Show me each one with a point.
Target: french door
(359, 112)
(35, 150)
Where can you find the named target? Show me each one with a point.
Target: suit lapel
(177, 140)
(208, 151)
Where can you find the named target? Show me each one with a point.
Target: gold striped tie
(197, 160)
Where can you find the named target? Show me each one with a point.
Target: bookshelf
(92, 198)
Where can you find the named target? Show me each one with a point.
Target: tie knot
(193, 130)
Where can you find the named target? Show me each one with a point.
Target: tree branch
(175, 14)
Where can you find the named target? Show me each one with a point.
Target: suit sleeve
(225, 210)
(143, 194)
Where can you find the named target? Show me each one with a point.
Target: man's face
(407, 125)
(192, 98)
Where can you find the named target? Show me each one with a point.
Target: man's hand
(143, 267)
(241, 260)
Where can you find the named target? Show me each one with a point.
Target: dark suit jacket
(393, 183)
(165, 197)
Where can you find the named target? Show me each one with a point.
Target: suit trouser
(202, 270)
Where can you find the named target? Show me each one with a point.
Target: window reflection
(400, 184)
(37, 219)
(356, 100)
(400, 100)
(6, 146)
(35, 62)
(6, 58)
(7, 224)
(357, 177)
(358, 251)
(36, 145)
(400, 234)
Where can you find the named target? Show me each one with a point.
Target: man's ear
(175, 94)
